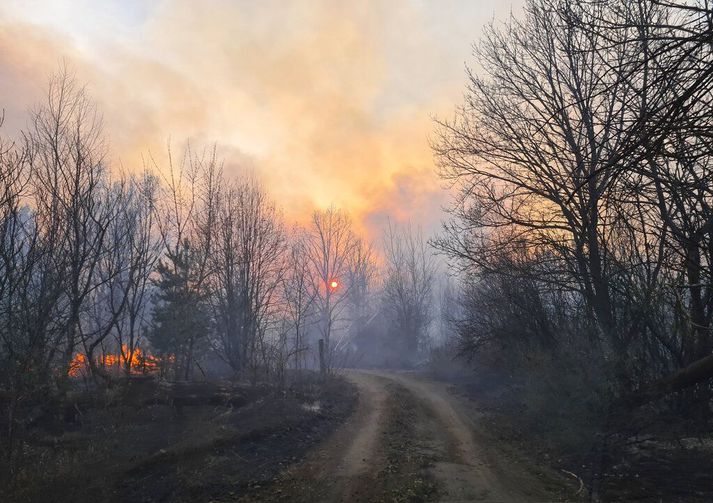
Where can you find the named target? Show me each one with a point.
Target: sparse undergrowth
(160, 452)
(652, 464)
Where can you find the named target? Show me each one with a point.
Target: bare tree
(528, 152)
(409, 274)
(299, 296)
(28, 301)
(582, 161)
(247, 269)
(330, 245)
(71, 195)
(138, 257)
(361, 278)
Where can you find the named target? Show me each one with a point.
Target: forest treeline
(581, 233)
(177, 269)
(583, 222)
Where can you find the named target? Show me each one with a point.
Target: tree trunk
(695, 373)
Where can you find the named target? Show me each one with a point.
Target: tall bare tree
(138, 258)
(330, 246)
(362, 279)
(409, 274)
(72, 196)
(247, 267)
(299, 296)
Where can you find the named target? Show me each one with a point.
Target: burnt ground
(648, 457)
(658, 456)
(371, 436)
(187, 451)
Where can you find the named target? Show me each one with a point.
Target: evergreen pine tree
(180, 315)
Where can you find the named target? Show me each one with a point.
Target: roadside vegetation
(583, 233)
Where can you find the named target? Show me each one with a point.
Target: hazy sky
(327, 101)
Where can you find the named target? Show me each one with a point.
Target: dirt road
(410, 439)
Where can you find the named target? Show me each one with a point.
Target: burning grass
(134, 360)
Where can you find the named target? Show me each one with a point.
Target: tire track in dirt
(351, 465)
(341, 469)
(367, 425)
(461, 467)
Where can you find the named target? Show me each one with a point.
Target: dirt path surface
(411, 439)
(462, 469)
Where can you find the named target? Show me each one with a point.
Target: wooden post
(322, 366)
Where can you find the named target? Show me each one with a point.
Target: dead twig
(575, 476)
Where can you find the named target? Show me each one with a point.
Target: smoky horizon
(325, 251)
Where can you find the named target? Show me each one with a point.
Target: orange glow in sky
(334, 284)
(326, 102)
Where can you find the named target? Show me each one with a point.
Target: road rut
(410, 439)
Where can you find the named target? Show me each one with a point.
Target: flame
(79, 363)
(140, 363)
